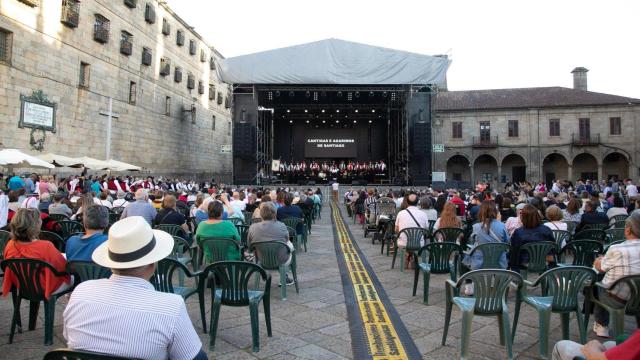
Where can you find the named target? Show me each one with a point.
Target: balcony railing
(126, 47)
(70, 14)
(490, 142)
(579, 140)
(101, 34)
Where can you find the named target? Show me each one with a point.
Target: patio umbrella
(13, 158)
(60, 160)
(122, 166)
(94, 164)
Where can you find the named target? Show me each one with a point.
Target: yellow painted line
(383, 342)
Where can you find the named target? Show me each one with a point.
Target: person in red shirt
(25, 227)
(459, 203)
(594, 350)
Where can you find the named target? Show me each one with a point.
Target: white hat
(132, 243)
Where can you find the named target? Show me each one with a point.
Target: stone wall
(46, 55)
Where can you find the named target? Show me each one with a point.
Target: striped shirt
(125, 316)
(619, 261)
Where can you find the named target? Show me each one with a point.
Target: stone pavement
(313, 324)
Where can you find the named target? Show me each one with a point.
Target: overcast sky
(493, 44)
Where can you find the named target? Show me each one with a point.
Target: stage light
(307, 121)
(384, 94)
(270, 95)
(290, 121)
(315, 96)
(307, 94)
(370, 93)
(355, 121)
(356, 110)
(291, 94)
(370, 121)
(346, 116)
(305, 110)
(323, 94)
(349, 96)
(339, 94)
(357, 94)
(373, 110)
(337, 110)
(322, 110)
(337, 121)
(393, 96)
(277, 93)
(324, 121)
(288, 110)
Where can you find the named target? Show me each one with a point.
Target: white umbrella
(95, 164)
(60, 160)
(16, 158)
(122, 166)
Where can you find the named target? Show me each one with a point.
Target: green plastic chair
(595, 226)
(5, 236)
(614, 234)
(491, 254)
(300, 236)
(590, 234)
(113, 218)
(162, 280)
(571, 226)
(243, 230)
(28, 273)
(388, 236)
(618, 225)
(414, 235)
(54, 238)
(218, 247)
(538, 252)
(232, 289)
(236, 221)
(247, 217)
(584, 252)
(619, 218)
(58, 217)
(173, 230)
(490, 290)
(436, 259)
(560, 289)
(184, 254)
(69, 228)
(616, 316)
(267, 257)
(293, 237)
(448, 234)
(561, 237)
(68, 354)
(86, 270)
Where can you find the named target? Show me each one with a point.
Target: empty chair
(437, 258)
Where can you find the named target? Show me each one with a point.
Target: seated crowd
(122, 230)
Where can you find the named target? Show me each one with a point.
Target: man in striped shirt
(619, 261)
(124, 315)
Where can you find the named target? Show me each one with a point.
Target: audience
(532, 230)
(95, 220)
(215, 227)
(141, 207)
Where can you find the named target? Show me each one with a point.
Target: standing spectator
(632, 190)
(4, 209)
(532, 230)
(95, 220)
(141, 207)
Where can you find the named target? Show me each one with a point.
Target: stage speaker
(244, 140)
(421, 139)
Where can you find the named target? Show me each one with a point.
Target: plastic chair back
(172, 229)
(292, 222)
(490, 289)
(247, 217)
(87, 270)
(562, 237)
(615, 234)
(538, 252)
(564, 284)
(595, 226)
(67, 354)
(590, 234)
(162, 277)
(633, 282)
(243, 230)
(447, 234)
(58, 217)
(619, 218)
(236, 221)
(218, 248)
(268, 253)
(439, 256)
(69, 228)
(4, 239)
(232, 279)
(571, 226)
(414, 235)
(28, 273)
(491, 254)
(54, 238)
(618, 225)
(584, 251)
(180, 246)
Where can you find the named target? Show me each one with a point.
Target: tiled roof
(538, 97)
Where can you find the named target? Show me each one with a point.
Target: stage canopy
(334, 61)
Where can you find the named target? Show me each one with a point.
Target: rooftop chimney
(580, 78)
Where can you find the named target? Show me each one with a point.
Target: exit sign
(438, 147)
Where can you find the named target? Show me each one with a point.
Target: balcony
(101, 34)
(126, 47)
(191, 82)
(146, 56)
(200, 87)
(130, 3)
(579, 140)
(150, 13)
(70, 14)
(490, 142)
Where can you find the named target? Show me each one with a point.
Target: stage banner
(330, 143)
(275, 165)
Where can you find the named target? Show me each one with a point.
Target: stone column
(499, 181)
(473, 176)
(570, 174)
(599, 172)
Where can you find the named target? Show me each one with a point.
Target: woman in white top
(617, 209)
(554, 215)
(425, 206)
(103, 200)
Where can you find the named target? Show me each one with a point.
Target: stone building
(538, 134)
(172, 111)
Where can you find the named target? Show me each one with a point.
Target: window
(203, 55)
(213, 122)
(212, 92)
(584, 127)
(166, 28)
(229, 128)
(192, 47)
(101, 29)
(167, 106)
(70, 15)
(456, 130)
(126, 43)
(615, 126)
(485, 131)
(146, 56)
(179, 38)
(32, 3)
(177, 75)
(165, 66)
(554, 127)
(85, 73)
(150, 13)
(132, 93)
(131, 4)
(212, 63)
(513, 128)
(219, 98)
(6, 38)
(200, 87)
(191, 82)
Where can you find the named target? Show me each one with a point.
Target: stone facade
(534, 154)
(46, 55)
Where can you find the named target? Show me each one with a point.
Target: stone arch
(615, 165)
(485, 168)
(458, 168)
(555, 166)
(513, 168)
(585, 166)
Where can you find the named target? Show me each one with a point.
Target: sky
(492, 44)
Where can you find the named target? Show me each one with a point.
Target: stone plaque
(37, 112)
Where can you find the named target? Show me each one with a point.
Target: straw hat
(132, 243)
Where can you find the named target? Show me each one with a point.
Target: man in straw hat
(124, 315)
